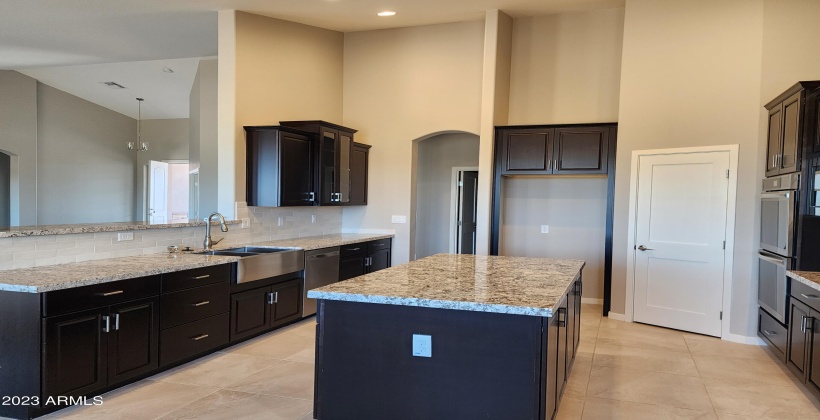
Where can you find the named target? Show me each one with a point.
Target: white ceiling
(68, 36)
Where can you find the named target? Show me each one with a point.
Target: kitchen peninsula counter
(448, 336)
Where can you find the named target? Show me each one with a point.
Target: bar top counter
(507, 285)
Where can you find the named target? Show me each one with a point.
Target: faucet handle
(214, 242)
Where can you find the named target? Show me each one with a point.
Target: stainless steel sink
(257, 263)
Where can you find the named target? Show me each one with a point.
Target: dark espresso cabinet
(280, 167)
(792, 125)
(260, 309)
(581, 150)
(359, 159)
(803, 354)
(363, 258)
(554, 150)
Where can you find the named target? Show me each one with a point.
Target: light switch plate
(398, 219)
(125, 236)
(422, 345)
(312, 218)
(246, 223)
(545, 229)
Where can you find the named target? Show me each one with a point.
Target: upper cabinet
(335, 149)
(559, 150)
(305, 163)
(790, 121)
(280, 167)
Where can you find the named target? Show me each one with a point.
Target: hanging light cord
(139, 123)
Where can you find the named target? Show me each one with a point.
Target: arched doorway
(446, 169)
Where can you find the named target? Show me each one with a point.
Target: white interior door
(680, 234)
(157, 192)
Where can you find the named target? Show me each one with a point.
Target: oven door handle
(776, 195)
(777, 261)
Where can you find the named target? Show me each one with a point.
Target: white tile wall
(35, 251)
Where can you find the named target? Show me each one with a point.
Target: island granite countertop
(510, 285)
(809, 278)
(66, 276)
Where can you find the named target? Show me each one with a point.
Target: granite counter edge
(814, 285)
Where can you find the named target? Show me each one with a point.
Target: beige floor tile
(751, 398)
(586, 344)
(232, 405)
(648, 387)
(570, 408)
(308, 416)
(641, 337)
(306, 328)
(590, 322)
(307, 355)
(711, 346)
(286, 379)
(276, 346)
(598, 408)
(216, 369)
(142, 400)
(589, 332)
(652, 360)
(757, 370)
(579, 375)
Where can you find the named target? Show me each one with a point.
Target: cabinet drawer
(97, 295)
(806, 294)
(193, 304)
(770, 330)
(378, 244)
(196, 277)
(193, 338)
(353, 249)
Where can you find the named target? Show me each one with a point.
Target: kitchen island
(448, 336)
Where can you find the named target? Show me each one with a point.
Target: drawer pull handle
(201, 277)
(200, 337)
(810, 296)
(354, 249)
(203, 303)
(767, 332)
(115, 292)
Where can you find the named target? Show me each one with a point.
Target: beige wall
(690, 76)
(790, 34)
(283, 71)
(18, 137)
(566, 68)
(401, 85)
(203, 150)
(574, 208)
(167, 140)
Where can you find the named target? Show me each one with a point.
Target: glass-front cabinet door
(329, 157)
(345, 146)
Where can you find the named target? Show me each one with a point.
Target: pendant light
(140, 145)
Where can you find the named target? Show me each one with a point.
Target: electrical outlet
(545, 229)
(279, 221)
(246, 223)
(312, 218)
(422, 345)
(398, 219)
(125, 236)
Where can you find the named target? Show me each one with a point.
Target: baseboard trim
(592, 301)
(742, 339)
(616, 316)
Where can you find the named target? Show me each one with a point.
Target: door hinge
(460, 183)
(727, 173)
(724, 244)
(721, 315)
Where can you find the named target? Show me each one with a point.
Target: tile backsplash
(267, 223)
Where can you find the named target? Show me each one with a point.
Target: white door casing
(682, 213)
(157, 192)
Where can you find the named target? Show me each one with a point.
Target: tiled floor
(623, 371)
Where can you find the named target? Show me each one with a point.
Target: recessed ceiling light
(386, 13)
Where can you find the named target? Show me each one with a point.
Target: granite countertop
(16, 231)
(66, 276)
(510, 285)
(809, 278)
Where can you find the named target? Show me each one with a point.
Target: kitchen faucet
(208, 242)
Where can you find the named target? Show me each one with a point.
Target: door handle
(810, 296)
(562, 320)
(770, 333)
(116, 322)
(312, 196)
(107, 320)
(273, 297)
(643, 248)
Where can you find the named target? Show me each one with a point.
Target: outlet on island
(422, 345)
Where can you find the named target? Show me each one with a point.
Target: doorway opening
(463, 207)
(437, 204)
(167, 191)
(5, 189)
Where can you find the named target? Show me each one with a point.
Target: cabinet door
(287, 302)
(552, 392)
(74, 353)
(358, 175)
(572, 298)
(250, 313)
(563, 357)
(579, 288)
(527, 151)
(581, 150)
(790, 155)
(378, 260)
(328, 178)
(814, 359)
(774, 140)
(799, 317)
(344, 149)
(352, 266)
(133, 347)
(296, 170)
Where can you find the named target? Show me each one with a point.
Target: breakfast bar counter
(448, 336)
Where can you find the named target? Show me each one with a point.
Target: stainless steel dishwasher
(321, 269)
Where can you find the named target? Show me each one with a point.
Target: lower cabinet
(563, 334)
(803, 354)
(260, 309)
(363, 258)
(90, 350)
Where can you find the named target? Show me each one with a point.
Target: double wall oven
(778, 211)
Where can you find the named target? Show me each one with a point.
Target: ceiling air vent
(113, 85)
